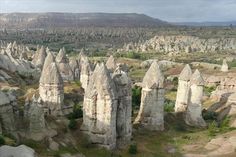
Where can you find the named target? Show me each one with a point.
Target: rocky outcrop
(182, 44)
(99, 108)
(7, 122)
(151, 113)
(75, 68)
(194, 109)
(182, 97)
(63, 66)
(51, 87)
(20, 151)
(124, 108)
(85, 70)
(39, 57)
(224, 67)
(111, 63)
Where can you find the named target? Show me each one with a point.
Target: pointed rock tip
(197, 78)
(153, 77)
(186, 73)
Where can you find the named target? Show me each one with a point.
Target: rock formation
(39, 57)
(7, 122)
(75, 68)
(36, 116)
(151, 113)
(224, 67)
(182, 97)
(85, 70)
(194, 109)
(99, 108)
(63, 66)
(20, 151)
(182, 44)
(111, 63)
(124, 109)
(51, 86)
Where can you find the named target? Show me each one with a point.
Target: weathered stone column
(85, 70)
(124, 109)
(63, 66)
(51, 87)
(99, 108)
(194, 109)
(224, 67)
(151, 113)
(111, 64)
(183, 89)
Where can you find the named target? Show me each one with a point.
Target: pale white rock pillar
(100, 109)
(151, 113)
(224, 67)
(51, 87)
(182, 96)
(85, 70)
(194, 110)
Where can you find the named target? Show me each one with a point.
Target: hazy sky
(169, 10)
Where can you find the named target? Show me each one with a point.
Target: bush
(209, 115)
(136, 97)
(77, 112)
(169, 106)
(72, 124)
(133, 149)
(2, 141)
(213, 129)
(209, 90)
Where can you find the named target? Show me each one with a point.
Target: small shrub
(72, 124)
(2, 141)
(209, 90)
(77, 112)
(136, 97)
(133, 149)
(78, 83)
(209, 115)
(213, 129)
(169, 106)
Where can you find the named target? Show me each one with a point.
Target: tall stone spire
(151, 113)
(124, 90)
(51, 87)
(224, 67)
(63, 66)
(85, 70)
(75, 68)
(183, 89)
(194, 109)
(111, 63)
(39, 57)
(99, 108)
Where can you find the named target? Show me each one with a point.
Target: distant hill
(227, 23)
(54, 20)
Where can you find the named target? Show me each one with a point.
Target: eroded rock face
(194, 109)
(124, 109)
(182, 97)
(36, 116)
(151, 113)
(39, 57)
(75, 68)
(63, 66)
(85, 71)
(111, 63)
(99, 108)
(20, 151)
(224, 67)
(51, 87)
(7, 122)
